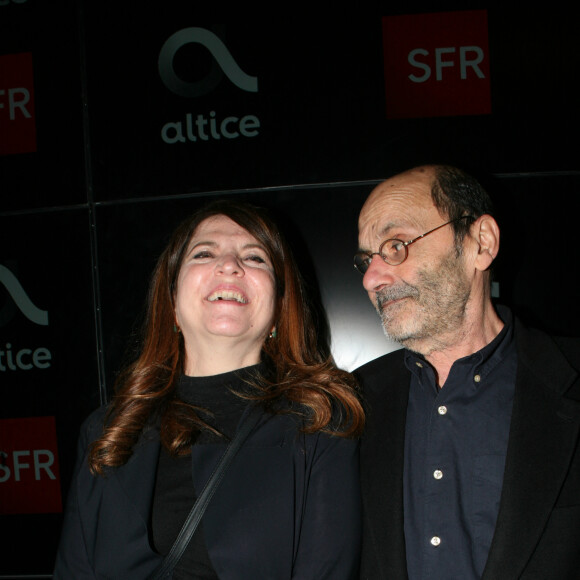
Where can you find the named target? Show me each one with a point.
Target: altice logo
(220, 53)
(25, 358)
(202, 127)
(11, 283)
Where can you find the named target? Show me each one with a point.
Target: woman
(227, 328)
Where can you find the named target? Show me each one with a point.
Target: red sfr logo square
(17, 120)
(29, 471)
(436, 64)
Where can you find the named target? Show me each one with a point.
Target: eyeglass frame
(405, 245)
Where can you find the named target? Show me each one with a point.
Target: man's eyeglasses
(394, 251)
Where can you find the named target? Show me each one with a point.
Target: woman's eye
(202, 254)
(255, 258)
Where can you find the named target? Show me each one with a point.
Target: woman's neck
(220, 357)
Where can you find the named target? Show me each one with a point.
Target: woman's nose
(230, 264)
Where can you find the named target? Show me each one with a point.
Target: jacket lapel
(382, 459)
(543, 434)
(137, 478)
(119, 515)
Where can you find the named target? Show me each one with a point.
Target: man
(470, 463)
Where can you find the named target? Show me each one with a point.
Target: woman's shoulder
(290, 423)
(96, 417)
(92, 426)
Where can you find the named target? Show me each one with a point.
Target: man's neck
(476, 332)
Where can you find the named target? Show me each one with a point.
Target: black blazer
(537, 535)
(288, 507)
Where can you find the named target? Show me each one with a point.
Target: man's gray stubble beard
(441, 294)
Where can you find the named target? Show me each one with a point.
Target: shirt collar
(483, 361)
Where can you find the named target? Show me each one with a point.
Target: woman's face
(226, 290)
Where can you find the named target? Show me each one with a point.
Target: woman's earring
(176, 328)
(272, 334)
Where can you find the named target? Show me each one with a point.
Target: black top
(455, 449)
(174, 490)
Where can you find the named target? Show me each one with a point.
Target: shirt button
(435, 541)
(477, 378)
(442, 410)
(437, 474)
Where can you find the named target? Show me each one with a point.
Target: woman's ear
(485, 232)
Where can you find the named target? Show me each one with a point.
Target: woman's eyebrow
(248, 246)
(253, 245)
(201, 243)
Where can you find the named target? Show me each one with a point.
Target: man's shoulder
(570, 348)
(384, 384)
(535, 341)
(381, 370)
(394, 357)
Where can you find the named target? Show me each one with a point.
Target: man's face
(422, 301)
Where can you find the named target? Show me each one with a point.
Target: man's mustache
(391, 293)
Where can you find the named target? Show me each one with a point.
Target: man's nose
(378, 274)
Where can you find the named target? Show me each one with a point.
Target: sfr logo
(29, 467)
(436, 64)
(17, 122)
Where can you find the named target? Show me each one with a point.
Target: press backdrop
(118, 119)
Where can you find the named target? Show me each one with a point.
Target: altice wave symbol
(217, 49)
(11, 283)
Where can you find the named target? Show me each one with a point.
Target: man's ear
(485, 232)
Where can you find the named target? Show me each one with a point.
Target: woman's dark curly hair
(302, 376)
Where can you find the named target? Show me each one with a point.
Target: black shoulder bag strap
(165, 569)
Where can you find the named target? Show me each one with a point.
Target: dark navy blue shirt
(455, 448)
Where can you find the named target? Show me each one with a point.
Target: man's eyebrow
(404, 225)
(385, 231)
